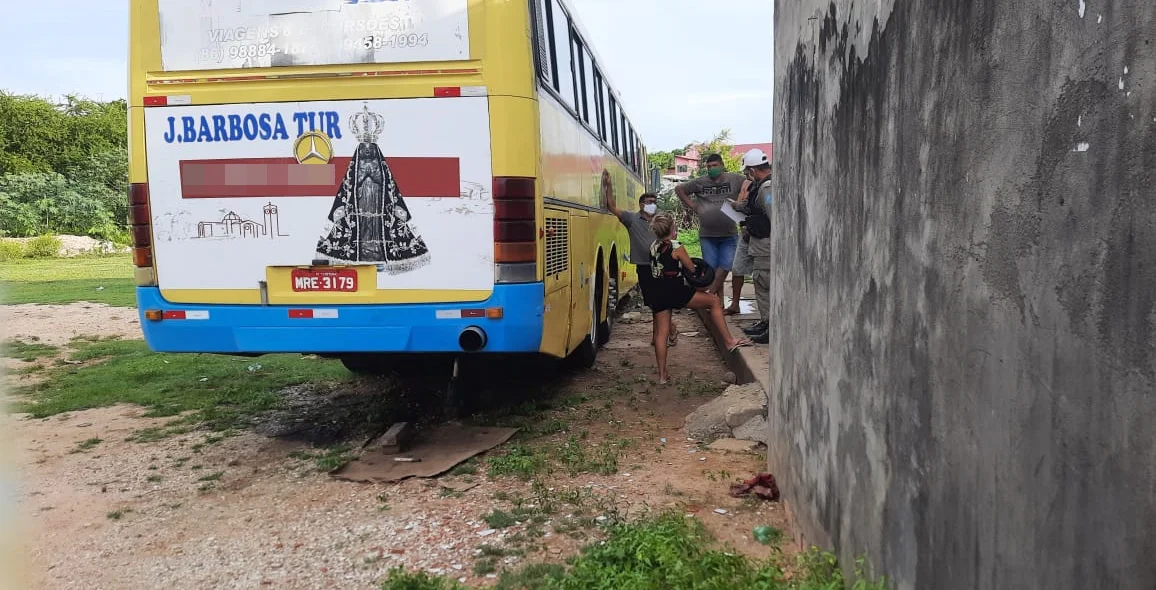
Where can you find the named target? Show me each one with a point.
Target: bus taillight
(515, 229)
(139, 217)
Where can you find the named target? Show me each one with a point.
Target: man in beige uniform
(758, 226)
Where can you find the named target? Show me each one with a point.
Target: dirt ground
(250, 510)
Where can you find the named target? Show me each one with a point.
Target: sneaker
(757, 328)
(764, 338)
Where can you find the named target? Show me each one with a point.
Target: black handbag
(703, 275)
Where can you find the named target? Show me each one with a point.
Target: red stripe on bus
(284, 177)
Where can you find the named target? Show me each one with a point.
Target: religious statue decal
(369, 221)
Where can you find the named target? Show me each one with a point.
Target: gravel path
(247, 511)
(58, 324)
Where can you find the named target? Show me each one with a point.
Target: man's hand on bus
(608, 192)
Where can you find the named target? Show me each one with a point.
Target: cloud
(725, 98)
(685, 69)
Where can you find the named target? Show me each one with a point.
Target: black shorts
(645, 280)
(667, 293)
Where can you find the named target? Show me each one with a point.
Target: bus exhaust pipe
(472, 339)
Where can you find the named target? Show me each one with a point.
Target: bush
(43, 247)
(400, 579)
(11, 251)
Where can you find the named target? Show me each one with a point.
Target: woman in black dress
(669, 291)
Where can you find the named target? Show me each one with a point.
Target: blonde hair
(662, 225)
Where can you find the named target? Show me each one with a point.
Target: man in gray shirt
(718, 233)
(641, 237)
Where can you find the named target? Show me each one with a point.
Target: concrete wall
(963, 367)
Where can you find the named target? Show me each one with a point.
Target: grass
(27, 351)
(666, 551)
(500, 519)
(574, 456)
(327, 459)
(690, 240)
(219, 392)
(98, 279)
(87, 445)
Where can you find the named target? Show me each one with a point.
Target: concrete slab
(734, 445)
(751, 363)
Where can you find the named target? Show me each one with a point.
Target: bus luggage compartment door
(556, 262)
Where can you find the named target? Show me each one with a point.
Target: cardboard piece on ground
(439, 450)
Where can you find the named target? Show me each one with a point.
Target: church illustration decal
(233, 226)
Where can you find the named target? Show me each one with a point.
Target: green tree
(39, 136)
(720, 144)
(38, 203)
(63, 167)
(662, 160)
(31, 130)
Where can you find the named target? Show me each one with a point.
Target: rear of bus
(323, 176)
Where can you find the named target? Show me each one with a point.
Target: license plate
(341, 280)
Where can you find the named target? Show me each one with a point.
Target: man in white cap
(757, 226)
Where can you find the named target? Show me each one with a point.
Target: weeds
(333, 458)
(217, 392)
(574, 456)
(27, 351)
(666, 551)
(470, 467)
(87, 445)
(500, 519)
(400, 579)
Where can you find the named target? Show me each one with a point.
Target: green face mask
(714, 172)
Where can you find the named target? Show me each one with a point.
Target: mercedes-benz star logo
(313, 147)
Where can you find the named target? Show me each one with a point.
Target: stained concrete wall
(964, 344)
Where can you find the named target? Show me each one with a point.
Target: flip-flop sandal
(672, 341)
(744, 343)
(729, 311)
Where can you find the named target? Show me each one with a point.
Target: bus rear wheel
(584, 356)
(602, 310)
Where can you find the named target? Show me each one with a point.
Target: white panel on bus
(228, 34)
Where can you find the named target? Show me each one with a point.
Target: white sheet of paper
(729, 211)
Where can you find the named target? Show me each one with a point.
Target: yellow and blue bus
(375, 179)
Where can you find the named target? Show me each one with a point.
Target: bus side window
(633, 159)
(604, 113)
(625, 149)
(544, 47)
(590, 104)
(564, 64)
(613, 125)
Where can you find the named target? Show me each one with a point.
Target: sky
(685, 69)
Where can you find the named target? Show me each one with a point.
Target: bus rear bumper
(336, 329)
